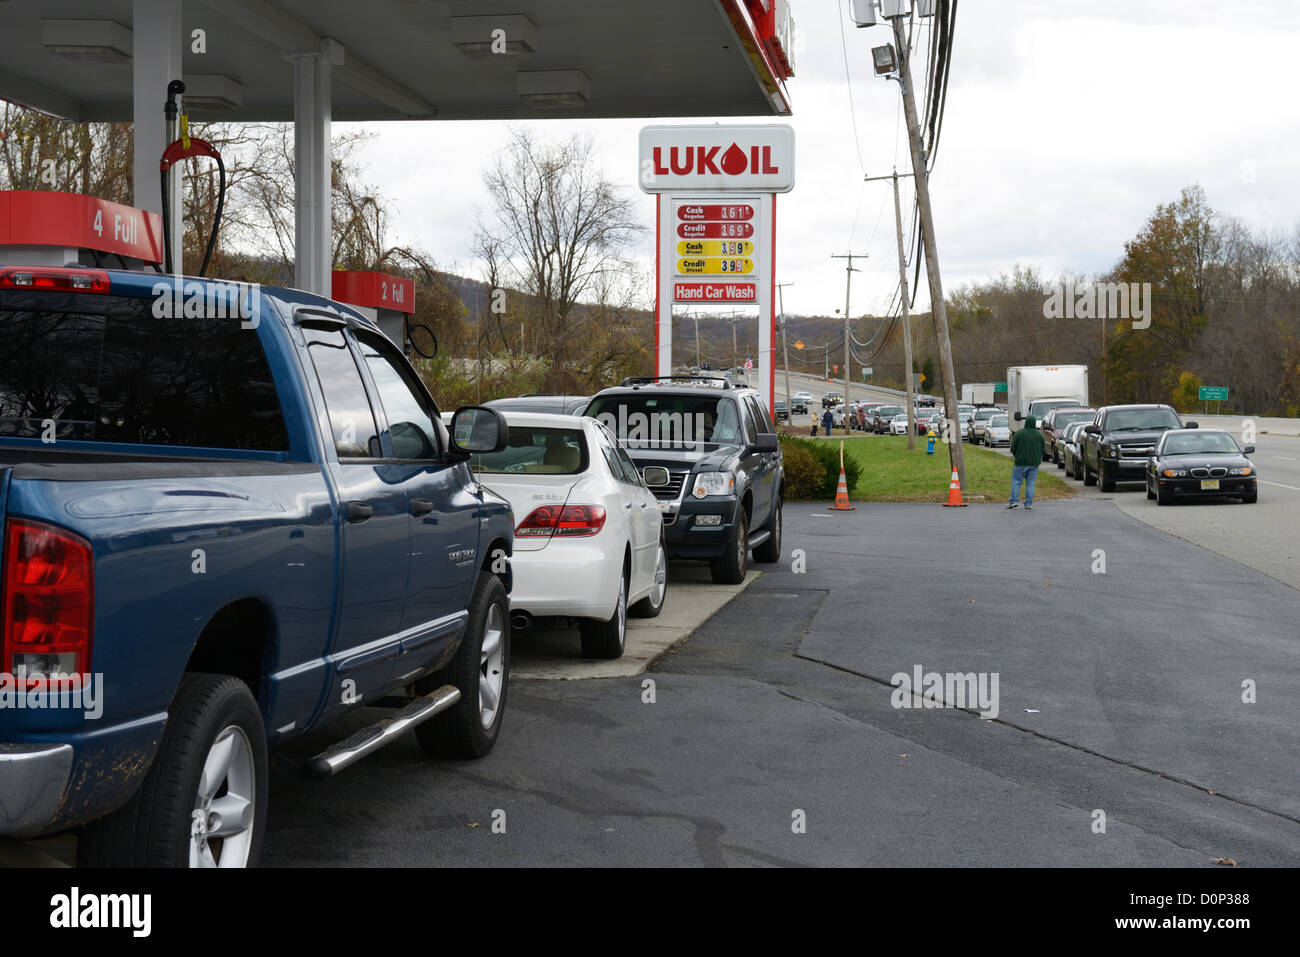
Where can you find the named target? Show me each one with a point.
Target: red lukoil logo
(691, 160)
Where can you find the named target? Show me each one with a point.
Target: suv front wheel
(731, 567)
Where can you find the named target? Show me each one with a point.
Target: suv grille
(670, 492)
(1139, 451)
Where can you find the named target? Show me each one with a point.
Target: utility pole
(785, 350)
(697, 339)
(907, 319)
(735, 353)
(938, 310)
(848, 284)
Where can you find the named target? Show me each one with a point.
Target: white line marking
(1279, 485)
(1284, 458)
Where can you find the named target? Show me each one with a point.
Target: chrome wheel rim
(661, 577)
(742, 546)
(221, 824)
(491, 670)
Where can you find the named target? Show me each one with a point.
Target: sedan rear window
(532, 450)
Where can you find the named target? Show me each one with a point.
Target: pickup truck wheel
(1106, 480)
(203, 801)
(1089, 476)
(481, 670)
(607, 639)
(770, 550)
(652, 604)
(731, 567)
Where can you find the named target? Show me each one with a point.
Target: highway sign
(1000, 387)
(1214, 393)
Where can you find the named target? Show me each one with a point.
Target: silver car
(997, 430)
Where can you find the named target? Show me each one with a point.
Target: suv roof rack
(652, 379)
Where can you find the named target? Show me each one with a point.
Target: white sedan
(589, 540)
(898, 424)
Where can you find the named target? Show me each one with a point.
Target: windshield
(887, 411)
(1142, 420)
(669, 421)
(537, 451)
(1201, 443)
(998, 422)
(1040, 409)
(1069, 418)
(984, 414)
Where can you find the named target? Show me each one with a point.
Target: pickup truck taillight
(48, 604)
(571, 521)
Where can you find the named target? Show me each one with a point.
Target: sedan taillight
(570, 521)
(48, 604)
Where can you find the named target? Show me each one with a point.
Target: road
(1264, 536)
(1120, 693)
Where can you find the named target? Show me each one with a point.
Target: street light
(884, 60)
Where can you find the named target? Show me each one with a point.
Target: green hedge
(812, 468)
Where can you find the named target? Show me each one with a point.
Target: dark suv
(725, 477)
(1116, 446)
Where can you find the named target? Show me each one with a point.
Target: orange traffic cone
(954, 493)
(842, 492)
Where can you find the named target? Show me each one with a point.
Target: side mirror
(1092, 430)
(767, 442)
(1191, 425)
(477, 429)
(1019, 417)
(1249, 449)
(655, 476)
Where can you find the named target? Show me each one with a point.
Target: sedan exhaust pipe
(520, 621)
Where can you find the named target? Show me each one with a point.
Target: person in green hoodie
(1027, 452)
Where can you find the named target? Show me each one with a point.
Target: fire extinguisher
(180, 149)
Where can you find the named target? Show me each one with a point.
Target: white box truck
(1036, 390)
(977, 393)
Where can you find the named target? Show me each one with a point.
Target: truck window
(103, 369)
(351, 418)
(410, 421)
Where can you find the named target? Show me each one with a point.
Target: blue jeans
(1027, 474)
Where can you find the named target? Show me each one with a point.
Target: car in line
(1120, 439)
(975, 429)
(1201, 463)
(997, 430)
(589, 540)
(898, 424)
(541, 402)
(1070, 458)
(831, 398)
(782, 410)
(723, 484)
(882, 416)
(1054, 424)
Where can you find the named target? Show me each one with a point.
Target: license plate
(1209, 485)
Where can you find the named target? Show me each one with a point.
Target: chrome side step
(356, 746)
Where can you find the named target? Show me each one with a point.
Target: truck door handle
(358, 512)
(421, 506)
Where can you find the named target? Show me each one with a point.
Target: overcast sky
(1066, 124)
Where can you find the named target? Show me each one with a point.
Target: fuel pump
(183, 148)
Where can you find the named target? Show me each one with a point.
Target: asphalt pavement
(771, 736)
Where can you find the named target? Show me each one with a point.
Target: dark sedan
(1200, 463)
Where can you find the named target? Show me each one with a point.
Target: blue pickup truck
(231, 514)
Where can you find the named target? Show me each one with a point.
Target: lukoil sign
(759, 157)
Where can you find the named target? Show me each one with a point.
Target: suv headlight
(713, 483)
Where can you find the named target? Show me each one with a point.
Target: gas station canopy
(317, 61)
(410, 59)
